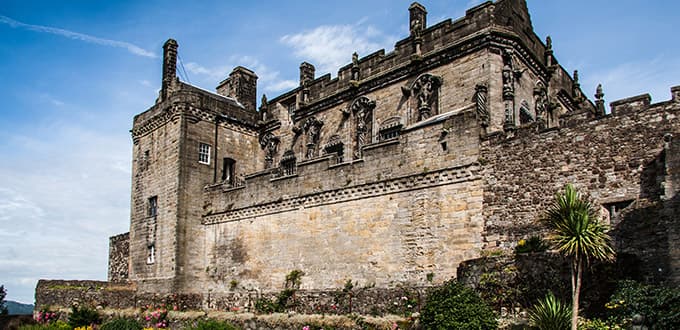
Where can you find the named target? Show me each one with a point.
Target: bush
(533, 244)
(213, 325)
(597, 324)
(657, 306)
(59, 325)
(550, 314)
(122, 324)
(455, 306)
(82, 317)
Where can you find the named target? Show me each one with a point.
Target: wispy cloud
(331, 46)
(636, 77)
(136, 50)
(270, 79)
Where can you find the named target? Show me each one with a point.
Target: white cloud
(331, 46)
(136, 50)
(60, 200)
(634, 78)
(268, 78)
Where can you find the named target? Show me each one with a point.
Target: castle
(394, 172)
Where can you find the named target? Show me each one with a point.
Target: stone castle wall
(119, 258)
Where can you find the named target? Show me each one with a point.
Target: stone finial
(576, 78)
(598, 92)
(306, 73)
(355, 67)
(169, 65)
(599, 100)
(417, 19)
(264, 108)
(548, 52)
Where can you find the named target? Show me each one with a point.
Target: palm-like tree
(578, 235)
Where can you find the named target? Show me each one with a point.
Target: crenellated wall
(617, 159)
(391, 174)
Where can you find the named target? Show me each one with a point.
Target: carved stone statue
(425, 89)
(269, 143)
(362, 108)
(312, 128)
(508, 76)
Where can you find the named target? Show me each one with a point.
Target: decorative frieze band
(390, 186)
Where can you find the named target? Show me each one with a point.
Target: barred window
(204, 153)
(152, 209)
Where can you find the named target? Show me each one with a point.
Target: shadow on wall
(644, 232)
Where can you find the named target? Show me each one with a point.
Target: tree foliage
(455, 306)
(3, 306)
(578, 235)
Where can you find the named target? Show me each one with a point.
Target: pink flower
(306, 327)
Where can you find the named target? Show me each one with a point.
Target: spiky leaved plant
(578, 235)
(550, 314)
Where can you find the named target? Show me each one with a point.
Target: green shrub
(59, 325)
(550, 314)
(455, 306)
(213, 325)
(83, 316)
(597, 324)
(659, 307)
(122, 324)
(533, 244)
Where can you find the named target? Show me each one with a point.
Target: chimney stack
(242, 86)
(306, 73)
(169, 66)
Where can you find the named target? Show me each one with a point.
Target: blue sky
(74, 73)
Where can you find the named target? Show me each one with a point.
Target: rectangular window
(204, 153)
(150, 254)
(228, 166)
(153, 206)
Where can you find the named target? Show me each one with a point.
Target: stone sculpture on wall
(269, 143)
(540, 104)
(425, 90)
(312, 129)
(362, 108)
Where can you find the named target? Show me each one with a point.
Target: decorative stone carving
(362, 108)
(269, 143)
(355, 67)
(335, 146)
(312, 129)
(508, 77)
(264, 108)
(481, 98)
(287, 163)
(540, 104)
(425, 90)
(525, 115)
(508, 90)
(390, 128)
(599, 100)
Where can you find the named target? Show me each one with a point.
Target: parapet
(631, 104)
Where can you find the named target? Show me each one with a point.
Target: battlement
(505, 23)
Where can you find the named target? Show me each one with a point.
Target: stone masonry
(392, 173)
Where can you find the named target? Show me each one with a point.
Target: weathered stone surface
(119, 254)
(390, 174)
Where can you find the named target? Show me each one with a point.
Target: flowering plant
(45, 316)
(156, 317)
